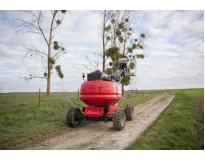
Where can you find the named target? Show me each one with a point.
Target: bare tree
(32, 22)
(99, 56)
(93, 62)
(106, 15)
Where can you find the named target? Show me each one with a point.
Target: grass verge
(22, 119)
(135, 99)
(177, 127)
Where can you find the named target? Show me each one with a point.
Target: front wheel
(119, 119)
(73, 117)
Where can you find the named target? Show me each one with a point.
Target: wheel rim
(122, 119)
(132, 114)
(77, 119)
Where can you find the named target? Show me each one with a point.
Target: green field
(180, 127)
(22, 119)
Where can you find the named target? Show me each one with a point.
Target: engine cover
(100, 93)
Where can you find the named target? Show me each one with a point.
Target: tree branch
(31, 77)
(35, 50)
(58, 56)
(40, 15)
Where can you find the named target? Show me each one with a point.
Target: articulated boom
(116, 77)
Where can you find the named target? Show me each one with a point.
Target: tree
(117, 36)
(119, 32)
(100, 56)
(32, 22)
(93, 61)
(105, 31)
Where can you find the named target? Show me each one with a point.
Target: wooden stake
(78, 95)
(39, 99)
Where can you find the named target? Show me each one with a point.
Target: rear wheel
(129, 112)
(73, 117)
(118, 119)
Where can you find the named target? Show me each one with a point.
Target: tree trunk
(48, 79)
(122, 89)
(103, 41)
(49, 55)
(49, 67)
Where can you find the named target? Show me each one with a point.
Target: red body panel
(93, 112)
(97, 112)
(100, 93)
(112, 109)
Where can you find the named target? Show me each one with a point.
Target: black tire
(129, 112)
(119, 119)
(73, 117)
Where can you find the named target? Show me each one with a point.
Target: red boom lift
(101, 93)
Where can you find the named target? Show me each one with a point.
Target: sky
(174, 47)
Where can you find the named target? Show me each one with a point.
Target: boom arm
(123, 70)
(117, 76)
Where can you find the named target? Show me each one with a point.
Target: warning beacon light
(83, 75)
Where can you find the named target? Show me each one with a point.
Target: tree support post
(39, 98)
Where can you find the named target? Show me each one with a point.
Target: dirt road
(101, 135)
